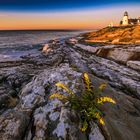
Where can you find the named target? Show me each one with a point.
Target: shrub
(87, 104)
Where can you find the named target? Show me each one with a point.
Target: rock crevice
(33, 116)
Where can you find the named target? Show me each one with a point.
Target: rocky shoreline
(26, 113)
(123, 35)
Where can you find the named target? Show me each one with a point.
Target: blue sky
(64, 14)
(58, 5)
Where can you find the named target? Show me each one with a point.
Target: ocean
(20, 38)
(14, 44)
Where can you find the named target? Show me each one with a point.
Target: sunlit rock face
(27, 113)
(46, 49)
(114, 35)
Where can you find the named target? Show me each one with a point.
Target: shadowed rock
(35, 117)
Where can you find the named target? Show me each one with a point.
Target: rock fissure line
(35, 117)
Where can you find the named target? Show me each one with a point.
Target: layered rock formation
(114, 35)
(120, 44)
(27, 113)
(125, 54)
(134, 64)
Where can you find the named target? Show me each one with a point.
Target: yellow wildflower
(84, 127)
(101, 120)
(57, 95)
(105, 99)
(97, 115)
(102, 86)
(87, 81)
(64, 87)
(86, 77)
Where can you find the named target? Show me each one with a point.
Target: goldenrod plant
(87, 104)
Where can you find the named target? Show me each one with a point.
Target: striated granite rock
(13, 125)
(134, 64)
(114, 35)
(33, 116)
(95, 133)
(51, 119)
(120, 53)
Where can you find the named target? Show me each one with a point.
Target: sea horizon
(49, 30)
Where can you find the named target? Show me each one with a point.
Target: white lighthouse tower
(125, 19)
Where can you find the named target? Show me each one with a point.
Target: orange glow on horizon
(86, 19)
(46, 22)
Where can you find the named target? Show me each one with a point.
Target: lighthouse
(125, 19)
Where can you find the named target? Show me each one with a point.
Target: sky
(64, 14)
